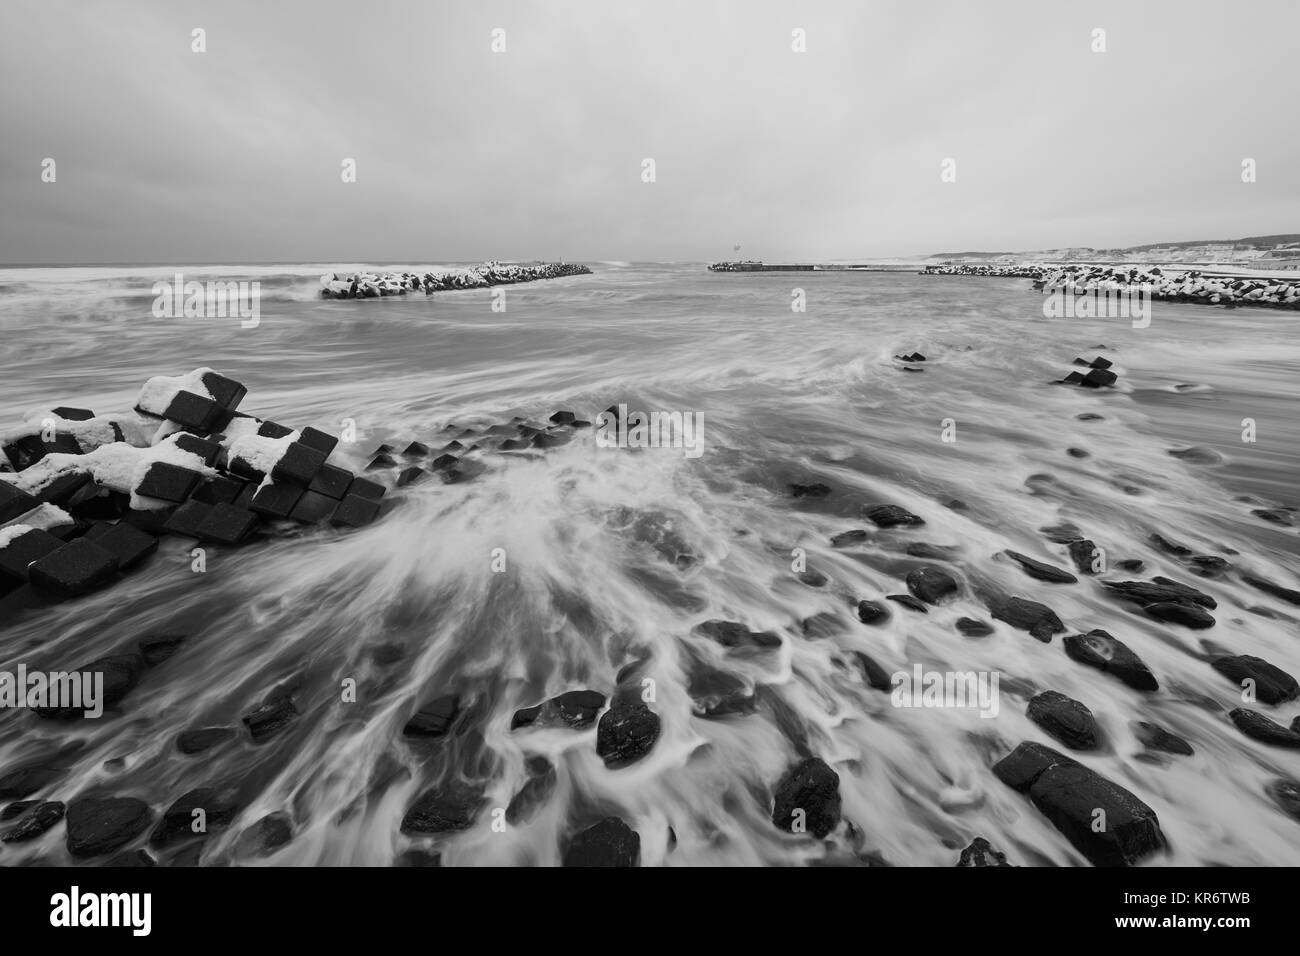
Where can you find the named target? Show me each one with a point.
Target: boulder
(99, 825)
(1258, 727)
(450, 806)
(873, 673)
(1155, 737)
(1272, 685)
(1038, 619)
(575, 708)
(807, 799)
(1064, 718)
(611, 842)
(734, 634)
(973, 628)
(43, 817)
(1041, 571)
(626, 733)
(931, 583)
(872, 612)
(1099, 649)
(892, 516)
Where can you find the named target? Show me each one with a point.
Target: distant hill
(1249, 248)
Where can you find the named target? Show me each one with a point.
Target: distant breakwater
(368, 285)
(1189, 286)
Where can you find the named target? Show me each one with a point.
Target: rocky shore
(368, 285)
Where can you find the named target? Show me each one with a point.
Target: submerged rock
(892, 516)
(972, 627)
(872, 612)
(43, 817)
(1178, 612)
(611, 842)
(873, 673)
(1154, 737)
(537, 789)
(734, 634)
(1069, 795)
(931, 583)
(433, 719)
(1268, 587)
(1272, 685)
(1286, 794)
(1064, 718)
(908, 601)
(575, 708)
(266, 835)
(808, 799)
(1039, 570)
(1038, 619)
(99, 825)
(220, 805)
(847, 539)
(1083, 552)
(1099, 649)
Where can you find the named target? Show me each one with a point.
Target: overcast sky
(234, 155)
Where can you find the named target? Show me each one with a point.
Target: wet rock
(354, 511)
(807, 799)
(1099, 378)
(718, 693)
(197, 741)
(220, 806)
(125, 542)
(1197, 455)
(908, 601)
(77, 568)
(847, 539)
(1083, 552)
(872, 612)
(537, 789)
(611, 842)
(1189, 615)
(159, 647)
(435, 718)
(1159, 590)
(266, 835)
(1273, 515)
(1090, 417)
(1099, 649)
(814, 579)
(981, 853)
(822, 624)
(1069, 794)
(1132, 565)
(17, 809)
(1258, 727)
(1041, 571)
(1272, 685)
(450, 806)
(575, 708)
(973, 628)
(271, 717)
(931, 583)
(1155, 737)
(892, 516)
(1268, 587)
(873, 673)
(1286, 794)
(814, 490)
(1161, 543)
(1038, 619)
(626, 733)
(1064, 718)
(1062, 533)
(23, 781)
(415, 450)
(99, 825)
(1076, 453)
(42, 818)
(167, 482)
(121, 673)
(734, 634)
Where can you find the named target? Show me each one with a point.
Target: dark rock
(813, 788)
(1272, 684)
(873, 673)
(1062, 533)
(298, 465)
(317, 439)
(77, 568)
(1161, 543)
(227, 524)
(451, 806)
(220, 806)
(717, 693)
(365, 488)
(973, 628)
(14, 501)
(1076, 453)
(1090, 417)
(1099, 649)
(1286, 794)
(1069, 794)
(822, 624)
(1098, 378)
(276, 499)
(1273, 515)
(167, 482)
(23, 781)
(626, 733)
(847, 539)
(872, 612)
(193, 411)
(1064, 718)
(126, 542)
(1176, 612)
(21, 551)
(1158, 590)
(1083, 553)
(892, 516)
(981, 853)
(45, 816)
(159, 647)
(121, 672)
(332, 482)
(931, 583)
(197, 741)
(99, 825)
(814, 579)
(380, 462)
(434, 719)
(266, 835)
(1268, 587)
(187, 519)
(17, 809)
(611, 842)
(733, 634)
(537, 789)
(815, 490)
(1154, 737)
(409, 476)
(1258, 727)
(1132, 565)
(355, 511)
(270, 718)
(908, 601)
(1038, 619)
(1039, 570)
(415, 450)
(575, 708)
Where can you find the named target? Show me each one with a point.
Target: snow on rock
(12, 531)
(118, 467)
(158, 392)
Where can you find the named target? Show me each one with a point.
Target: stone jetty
(369, 285)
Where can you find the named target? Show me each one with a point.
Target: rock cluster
(369, 285)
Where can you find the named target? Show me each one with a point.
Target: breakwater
(369, 285)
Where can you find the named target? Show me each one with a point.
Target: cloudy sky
(234, 155)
